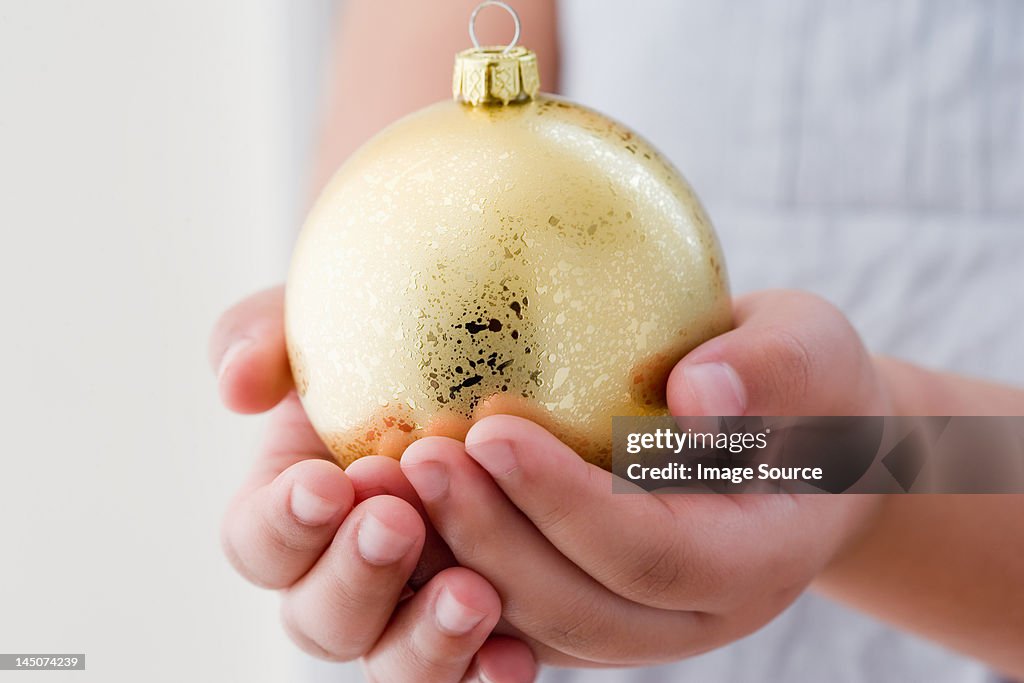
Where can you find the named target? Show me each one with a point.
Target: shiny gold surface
(537, 259)
(487, 75)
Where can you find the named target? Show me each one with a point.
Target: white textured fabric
(869, 151)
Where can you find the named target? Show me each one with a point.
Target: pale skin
(627, 580)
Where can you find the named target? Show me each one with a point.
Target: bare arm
(949, 567)
(391, 57)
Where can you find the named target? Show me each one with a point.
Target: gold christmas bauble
(507, 252)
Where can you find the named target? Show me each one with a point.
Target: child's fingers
(375, 475)
(247, 349)
(435, 635)
(635, 545)
(567, 610)
(791, 353)
(274, 533)
(685, 552)
(338, 610)
(379, 475)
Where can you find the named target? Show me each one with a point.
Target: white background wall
(151, 171)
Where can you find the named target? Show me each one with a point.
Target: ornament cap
(492, 75)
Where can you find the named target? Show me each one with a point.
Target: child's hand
(583, 576)
(340, 546)
(634, 579)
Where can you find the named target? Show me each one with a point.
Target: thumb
(792, 353)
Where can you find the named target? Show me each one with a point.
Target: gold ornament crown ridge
(491, 75)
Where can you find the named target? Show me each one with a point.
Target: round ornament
(503, 252)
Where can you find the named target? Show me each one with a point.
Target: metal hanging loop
(504, 6)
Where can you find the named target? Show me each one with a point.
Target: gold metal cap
(489, 75)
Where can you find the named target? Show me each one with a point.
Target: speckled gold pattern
(536, 259)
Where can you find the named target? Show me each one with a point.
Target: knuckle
(586, 630)
(555, 518)
(798, 359)
(473, 539)
(264, 552)
(575, 632)
(653, 579)
(687, 568)
(562, 512)
(283, 540)
(319, 641)
(429, 661)
(306, 642)
(239, 560)
(342, 593)
(789, 362)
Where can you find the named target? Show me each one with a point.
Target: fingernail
(453, 617)
(309, 508)
(482, 677)
(497, 457)
(717, 388)
(430, 479)
(237, 347)
(380, 544)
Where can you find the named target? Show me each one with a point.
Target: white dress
(869, 151)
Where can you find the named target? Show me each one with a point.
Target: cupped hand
(591, 577)
(341, 546)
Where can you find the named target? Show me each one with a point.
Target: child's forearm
(949, 567)
(914, 390)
